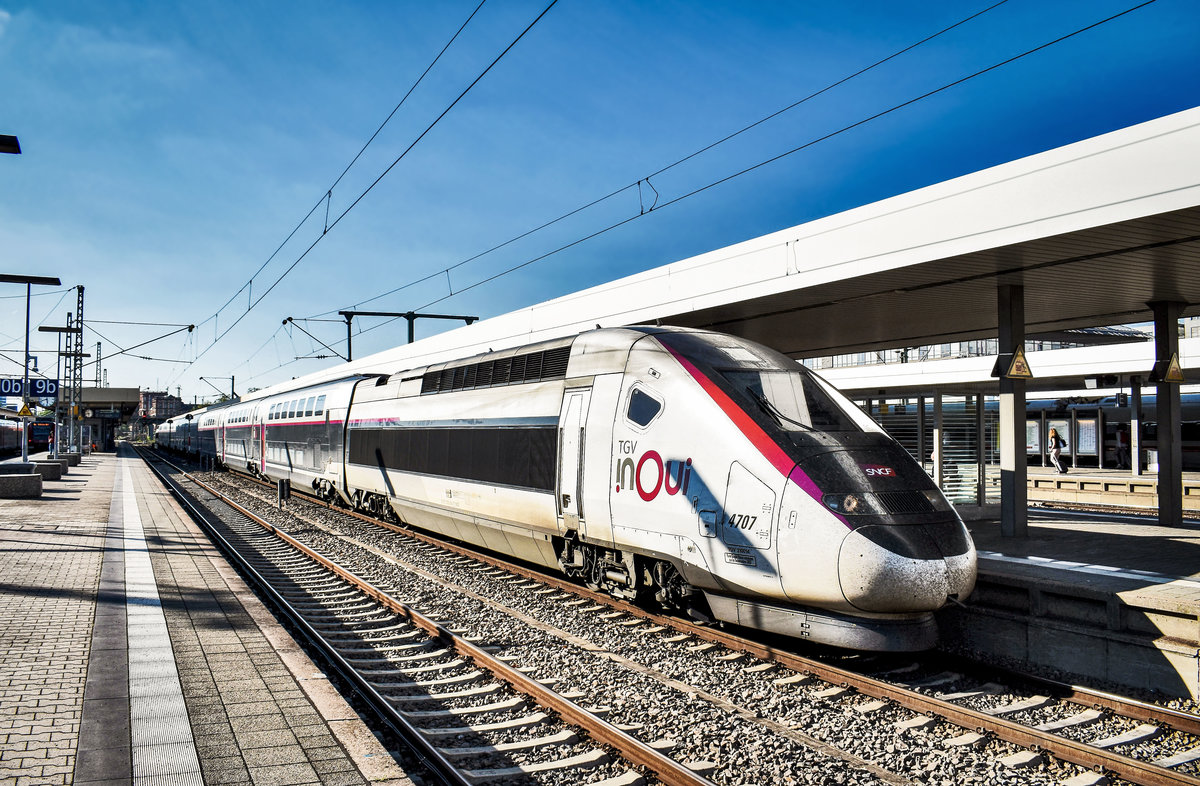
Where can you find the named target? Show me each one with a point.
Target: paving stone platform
(132, 653)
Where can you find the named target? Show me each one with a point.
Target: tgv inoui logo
(649, 474)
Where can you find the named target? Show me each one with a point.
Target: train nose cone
(904, 568)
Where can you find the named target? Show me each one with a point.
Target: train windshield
(794, 400)
(780, 394)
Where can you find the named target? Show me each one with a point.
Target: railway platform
(1117, 487)
(132, 653)
(1105, 599)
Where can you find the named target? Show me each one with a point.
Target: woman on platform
(1055, 444)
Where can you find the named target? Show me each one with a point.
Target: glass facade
(969, 446)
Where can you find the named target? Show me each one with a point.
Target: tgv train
(709, 472)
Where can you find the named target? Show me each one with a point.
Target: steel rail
(1063, 748)
(1126, 707)
(666, 769)
(419, 745)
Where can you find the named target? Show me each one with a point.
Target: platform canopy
(115, 404)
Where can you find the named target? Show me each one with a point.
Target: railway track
(884, 719)
(469, 716)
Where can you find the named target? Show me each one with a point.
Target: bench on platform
(20, 486)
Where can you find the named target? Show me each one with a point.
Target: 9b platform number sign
(38, 388)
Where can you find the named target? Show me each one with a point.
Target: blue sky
(170, 148)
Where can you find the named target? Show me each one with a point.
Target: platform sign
(38, 388)
(1033, 436)
(1086, 435)
(1063, 427)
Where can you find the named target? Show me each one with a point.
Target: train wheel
(672, 591)
(676, 594)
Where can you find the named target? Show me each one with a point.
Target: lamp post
(28, 281)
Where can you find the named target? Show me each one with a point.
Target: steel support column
(1167, 414)
(76, 438)
(939, 430)
(1135, 426)
(1014, 472)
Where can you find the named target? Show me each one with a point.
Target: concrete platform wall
(1126, 493)
(1137, 639)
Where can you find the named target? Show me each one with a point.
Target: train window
(643, 408)
(308, 408)
(320, 409)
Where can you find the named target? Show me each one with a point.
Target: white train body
(707, 470)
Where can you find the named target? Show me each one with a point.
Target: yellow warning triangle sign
(25, 413)
(1174, 372)
(1167, 370)
(1019, 368)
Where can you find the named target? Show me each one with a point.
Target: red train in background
(40, 432)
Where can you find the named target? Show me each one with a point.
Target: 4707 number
(742, 520)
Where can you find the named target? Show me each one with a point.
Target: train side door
(746, 529)
(570, 458)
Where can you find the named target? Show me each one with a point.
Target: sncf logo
(877, 471)
(651, 475)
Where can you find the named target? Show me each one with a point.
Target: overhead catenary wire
(37, 294)
(778, 157)
(326, 197)
(127, 322)
(260, 349)
(17, 363)
(377, 180)
(127, 350)
(62, 296)
(462, 289)
(637, 184)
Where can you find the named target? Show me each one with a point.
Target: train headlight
(867, 503)
(853, 504)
